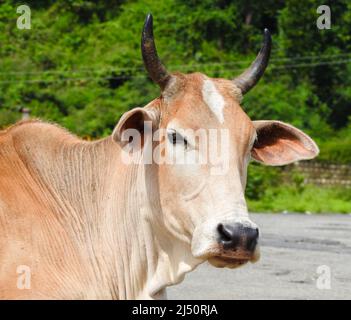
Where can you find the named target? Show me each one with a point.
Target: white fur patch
(213, 99)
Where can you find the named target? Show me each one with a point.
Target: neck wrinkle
(167, 257)
(112, 215)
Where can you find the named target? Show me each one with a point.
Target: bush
(261, 178)
(338, 148)
(310, 199)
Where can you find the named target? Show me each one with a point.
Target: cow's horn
(250, 76)
(153, 65)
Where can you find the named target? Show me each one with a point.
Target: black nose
(236, 236)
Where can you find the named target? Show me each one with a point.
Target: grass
(307, 198)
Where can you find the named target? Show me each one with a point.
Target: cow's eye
(176, 138)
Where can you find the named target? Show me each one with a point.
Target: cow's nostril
(251, 239)
(228, 236)
(224, 234)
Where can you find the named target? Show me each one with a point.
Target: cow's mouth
(227, 262)
(233, 259)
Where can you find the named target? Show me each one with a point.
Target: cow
(78, 222)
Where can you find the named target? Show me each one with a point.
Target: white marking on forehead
(213, 99)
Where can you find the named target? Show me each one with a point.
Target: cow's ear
(279, 143)
(138, 121)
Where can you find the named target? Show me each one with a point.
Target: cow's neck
(157, 258)
(112, 211)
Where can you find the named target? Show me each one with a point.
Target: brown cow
(79, 222)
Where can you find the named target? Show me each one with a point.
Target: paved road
(292, 248)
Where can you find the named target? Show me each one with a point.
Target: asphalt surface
(293, 247)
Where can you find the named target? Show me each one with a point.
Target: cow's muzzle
(226, 242)
(237, 237)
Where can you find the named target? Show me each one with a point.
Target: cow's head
(204, 207)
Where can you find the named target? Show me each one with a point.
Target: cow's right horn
(156, 70)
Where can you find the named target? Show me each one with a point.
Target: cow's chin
(224, 262)
(233, 260)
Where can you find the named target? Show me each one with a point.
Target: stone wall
(323, 173)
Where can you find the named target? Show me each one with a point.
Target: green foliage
(337, 149)
(312, 199)
(261, 178)
(268, 190)
(80, 65)
(299, 36)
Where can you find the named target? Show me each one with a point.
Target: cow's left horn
(157, 71)
(250, 76)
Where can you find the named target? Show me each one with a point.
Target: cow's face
(204, 200)
(201, 185)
